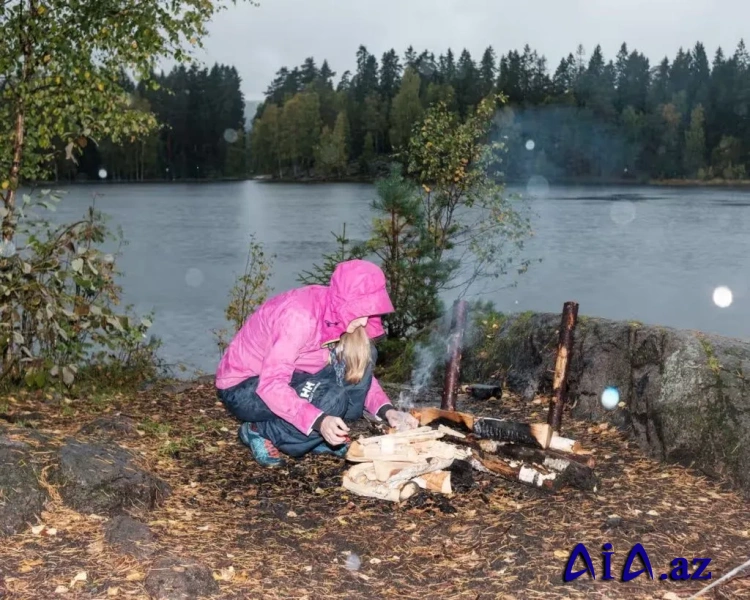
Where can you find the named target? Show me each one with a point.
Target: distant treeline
(201, 135)
(589, 118)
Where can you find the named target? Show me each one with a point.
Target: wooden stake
(453, 365)
(562, 365)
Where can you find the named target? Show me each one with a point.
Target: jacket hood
(357, 289)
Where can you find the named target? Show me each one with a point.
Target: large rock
(105, 479)
(173, 578)
(21, 497)
(129, 536)
(685, 395)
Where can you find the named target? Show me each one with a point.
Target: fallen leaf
(308, 569)
(113, 591)
(561, 554)
(653, 513)
(670, 596)
(225, 574)
(28, 566)
(375, 561)
(134, 576)
(37, 529)
(95, 547)
(51, 531)
(204, 528)
(291, 514)
(61, 589)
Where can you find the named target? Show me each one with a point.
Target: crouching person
(301, 368)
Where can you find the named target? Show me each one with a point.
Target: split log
(536, 434)
(417, 470)
(453, 365)
(549, 460)
(562, 444)
(361, 480)
(562, 365)
(437, 481)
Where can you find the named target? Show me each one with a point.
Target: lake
(650, 254)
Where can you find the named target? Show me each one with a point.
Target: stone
(131, 537)
(172, 578)
(104, 479)
(685, 395)
(116, 426)
(22, 498)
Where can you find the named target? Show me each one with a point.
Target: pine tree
(695, 144)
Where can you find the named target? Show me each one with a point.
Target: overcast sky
(260, 40)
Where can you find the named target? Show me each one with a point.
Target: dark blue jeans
(321, 389)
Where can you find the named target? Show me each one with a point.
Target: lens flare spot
(723, 296)
(530, 145)
(102, 173)
(622, 212)
(231, 136)
(537, 186)
(610, 398)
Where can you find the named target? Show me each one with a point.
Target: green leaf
(77, 265)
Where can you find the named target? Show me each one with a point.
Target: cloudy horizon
(258, 40)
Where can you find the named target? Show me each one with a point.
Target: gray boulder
(684, 395)
(105, 479)
(173, 578)
(21, 497)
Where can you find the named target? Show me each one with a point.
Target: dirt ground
(295, 533)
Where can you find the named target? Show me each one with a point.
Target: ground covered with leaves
(295, 533)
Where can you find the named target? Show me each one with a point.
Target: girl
(301, 367)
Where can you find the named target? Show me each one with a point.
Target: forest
(201, 133)
(586, 118)
(589, 118)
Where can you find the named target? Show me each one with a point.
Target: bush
(249, 292)
(59, 311)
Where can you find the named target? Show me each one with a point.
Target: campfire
(397, 464)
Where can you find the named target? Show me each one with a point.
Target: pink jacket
(289, 332)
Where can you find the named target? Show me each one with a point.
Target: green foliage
(589, 117)
(407, 109)
(62, 86)
(331, 153)
(446, 225)
(473, 227)
(250, 290)
(321, 274)
(59, 311)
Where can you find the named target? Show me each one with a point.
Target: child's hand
(334, 430)
(400, 420)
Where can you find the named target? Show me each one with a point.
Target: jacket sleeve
(288, 338)
(377, 402)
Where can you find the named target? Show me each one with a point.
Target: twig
(718, 581)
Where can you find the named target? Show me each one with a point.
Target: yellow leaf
(113, 591)
(41, 10)
(561, 554)
(134, 576)
(5, 185)
(100, 86)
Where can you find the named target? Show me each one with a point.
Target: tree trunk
(10, 196)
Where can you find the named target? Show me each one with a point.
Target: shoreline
(585, 182)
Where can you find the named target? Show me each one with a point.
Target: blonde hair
(354, 349)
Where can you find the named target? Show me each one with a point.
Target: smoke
(430, 356)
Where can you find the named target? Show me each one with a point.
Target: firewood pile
(396, 465)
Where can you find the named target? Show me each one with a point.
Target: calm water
(649, 254)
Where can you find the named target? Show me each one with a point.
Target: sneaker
(324, 448)
(264, 452)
